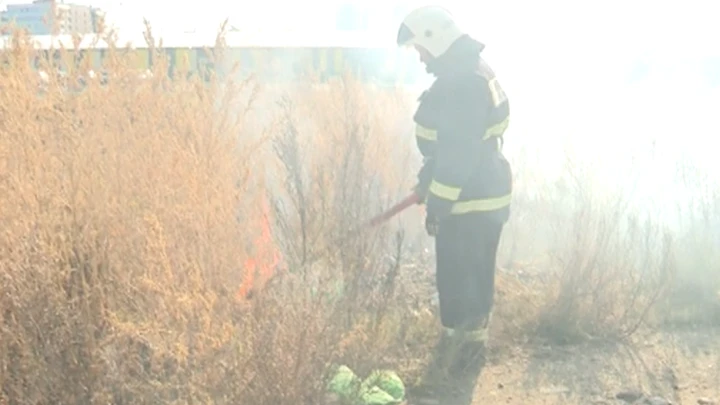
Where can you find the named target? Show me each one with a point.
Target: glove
(421, 192)
(432, 225)
(424, 179)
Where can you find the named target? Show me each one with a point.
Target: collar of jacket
(463, 56)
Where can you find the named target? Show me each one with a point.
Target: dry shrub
(122, 247)
(606, 265)
(134, 211)
(587, 257)
(333, 171)
(694, 300)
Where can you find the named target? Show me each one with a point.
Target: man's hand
(421, 191)
(424, 179)
(432, 225)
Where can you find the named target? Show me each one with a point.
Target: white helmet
(431, 27)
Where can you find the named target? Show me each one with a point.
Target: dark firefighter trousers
(466, 252)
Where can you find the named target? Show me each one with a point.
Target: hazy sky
(659, 59)
(613, 74)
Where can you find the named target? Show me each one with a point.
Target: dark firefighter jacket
(460, 122)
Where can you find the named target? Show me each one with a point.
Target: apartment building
(52, 17)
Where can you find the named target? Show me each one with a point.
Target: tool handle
(375, 221)
(412, 199)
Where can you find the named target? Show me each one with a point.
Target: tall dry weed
(600, 268)
(131, 208)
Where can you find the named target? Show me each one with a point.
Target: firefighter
(465, 181)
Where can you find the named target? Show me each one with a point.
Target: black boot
(472, 352)
(438, 379)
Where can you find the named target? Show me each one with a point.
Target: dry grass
(137, 217)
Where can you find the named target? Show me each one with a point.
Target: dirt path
(679, 366)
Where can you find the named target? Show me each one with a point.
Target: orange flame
(266, 257)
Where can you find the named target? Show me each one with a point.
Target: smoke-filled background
(623, 90)
(627, 90)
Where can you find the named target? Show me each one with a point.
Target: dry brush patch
(584, 261)
(122, 247)
(131, 212)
